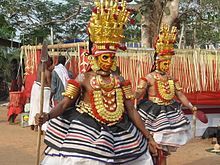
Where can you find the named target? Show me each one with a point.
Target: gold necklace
(106, 100)
(166, 89)
(104, 85)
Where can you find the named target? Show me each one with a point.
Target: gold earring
(93, 63)
(114, 66)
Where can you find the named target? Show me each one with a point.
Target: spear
(44, 58)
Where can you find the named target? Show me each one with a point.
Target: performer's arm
(65, 103)
(141, 87)
(135, 117)
(70, 96)
(138, 122)
(180, 95)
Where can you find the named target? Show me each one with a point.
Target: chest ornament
(165, 89)
(106, 100)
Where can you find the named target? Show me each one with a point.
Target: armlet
(142, 83)
(72, 90)
(178, 86)
(127, 90)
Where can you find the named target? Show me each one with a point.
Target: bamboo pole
(60, 46)
(41, 111)
(195, 64)
(194, 125)
(43, 60)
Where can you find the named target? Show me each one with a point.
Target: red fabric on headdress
(165, 52)
(106, 51)
(96, 52)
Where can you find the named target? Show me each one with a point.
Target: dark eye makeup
(105, 57)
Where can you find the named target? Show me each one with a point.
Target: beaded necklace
(106, 99)
(165, 88)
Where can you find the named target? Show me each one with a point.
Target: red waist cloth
(16, 103)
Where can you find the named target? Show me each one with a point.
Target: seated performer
(162, 114)
(103, 127)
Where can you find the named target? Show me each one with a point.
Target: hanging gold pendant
(106, 100)
(166, 89)
(104, 85)
(114, 66)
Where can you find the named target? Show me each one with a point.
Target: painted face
(105, 61)
(164, 65)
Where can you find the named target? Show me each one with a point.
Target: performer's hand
(153, 146)
(194, 108)
(40, 119)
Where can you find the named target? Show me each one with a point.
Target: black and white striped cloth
(167, 122)
(79, 135)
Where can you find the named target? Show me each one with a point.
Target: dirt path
(18, 146)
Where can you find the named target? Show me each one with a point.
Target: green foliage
(203, 19)
(33, 19)
(133, 31)
(6, 30)
(5, 59)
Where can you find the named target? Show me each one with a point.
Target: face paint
(105, 61)
(164, 65)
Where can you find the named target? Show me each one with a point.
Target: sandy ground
(18, 147)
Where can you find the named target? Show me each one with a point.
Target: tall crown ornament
(106, 25)
(164, 46)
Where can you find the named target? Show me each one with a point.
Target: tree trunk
(150, 22)
(170, 12)
(146, 31)
(180, 45)
(154, 17)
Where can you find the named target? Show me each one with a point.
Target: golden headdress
(106, 26)
(165, 42)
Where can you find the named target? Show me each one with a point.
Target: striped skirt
(79, 135)
(168, 123)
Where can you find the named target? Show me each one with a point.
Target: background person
(60, 76)
(35, 95)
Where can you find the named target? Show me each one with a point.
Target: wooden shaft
(194, 124)
(41, 112)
